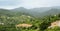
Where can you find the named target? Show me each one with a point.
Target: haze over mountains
(34, 12)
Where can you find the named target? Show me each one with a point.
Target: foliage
(9, 19)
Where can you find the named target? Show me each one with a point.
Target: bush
(53, 29)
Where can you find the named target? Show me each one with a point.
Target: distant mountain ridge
(35, 11)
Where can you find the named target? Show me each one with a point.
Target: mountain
(40, 11)
(52, 11)
(57, 7)
(4, 11)
(36, 12)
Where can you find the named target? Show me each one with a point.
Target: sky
(11, 4)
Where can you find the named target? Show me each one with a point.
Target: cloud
(10, 4)
(40, 3)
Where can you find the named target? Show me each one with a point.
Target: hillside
(10, 20)
(52, 11)
(36, 12)
(39, 11)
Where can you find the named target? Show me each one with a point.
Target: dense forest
(12, 20)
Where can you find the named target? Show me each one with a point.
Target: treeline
(8, 20)
(7, 23)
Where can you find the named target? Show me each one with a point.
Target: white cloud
(28, 3)
(40, 3)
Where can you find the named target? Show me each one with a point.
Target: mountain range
(37, 12)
